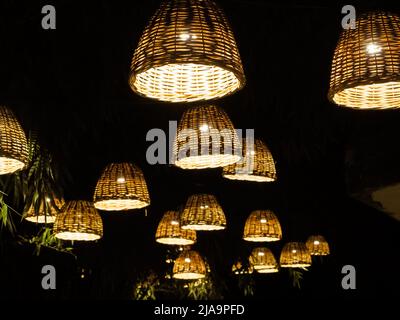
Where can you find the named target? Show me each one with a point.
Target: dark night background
(71, 86)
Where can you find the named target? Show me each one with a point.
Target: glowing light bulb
(174, 222)
(180, 249)
(184, 36)
(187, 260)
(204, 128)
(121, 180)
(294, 251)
(316, 242)
(48, 199)
(263, 220)
(204, 207)
(261, 254)
(373, 48)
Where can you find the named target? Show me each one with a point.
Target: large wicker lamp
(13, 143)
(262, 226)
(317, 246)
(187, 53)
(189, 266)
(206, 138)
(203, 213)
(170, 232)
(47, 211)
(366, 64)
(121, 187)
(295, 255)
(263, 260)
(78, 220)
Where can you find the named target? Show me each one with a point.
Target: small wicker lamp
(189, 266)
(187, 53)
(205, 138)
(263, 260)
(121, 187)
(366, 64)
(295, 255)
(317, 246)
(203, 213)
(13, 143)
(257, 164)
(170, 232)
(262, 226)
(47, 211)
(239, 268)
(78, 220)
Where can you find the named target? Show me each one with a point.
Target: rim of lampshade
(248, 177)
(295, 265)
(10, 165)
(41, 218)
(78, 236)
(207, 161)
(266, 269)
(255, 238)
(203, 227)
(175, 241)
(120, 204)
(188, 275)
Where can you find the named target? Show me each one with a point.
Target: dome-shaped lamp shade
(47, 212)
(317, 246)
(203, 213)
(295, 255)
(78, 220)
(121, 187)
(170, 232)
(189, 266)
(263, 260)
(257, 164)
(187, 53)
(239, 268)
(13, 143)
(205, 138)
(366, 64)
(262, 226)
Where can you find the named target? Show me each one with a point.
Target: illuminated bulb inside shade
(204, 207)
(121, 180)
(174, 223)
(261, 253)
(180, 249)
(372, 48)
(184, 36)
(294, 251)
(187, 260)
(263, 220)
(48, 199)
(204, 128)
(316, 242)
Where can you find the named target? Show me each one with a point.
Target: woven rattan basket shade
(239, 268)
(203, 213)
(47, 211)
(13, 143)
(262, 226)
(121, 187)
(317, 246)
(263, 260)
(366, 64)
(257, 164)
(78, 220)
(170, 232)
(295, 255)
(205, 138)
(189, 266)
(187, 53)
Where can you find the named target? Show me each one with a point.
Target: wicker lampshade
(187, 53)
(203, 213)
(189, 266)
(263, 260)
(170, 232)
(262, 226)
(257, 164)
(239, 268)
(78, 220)
(366, 64)
(121, 187)
(317, 246)
(13, 143)
(47, 211)
(205, 138)
(295, 255)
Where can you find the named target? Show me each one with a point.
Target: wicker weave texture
(262, 226)
(13, 143)
(189, 266)
(78, 220)
(47, 211)
(203, 213)
(263, 260)
(317, 246)
(187, 53)
(257, 164)
(170, 232)
(206, 138)
(366, 63)
(295, 255)
(122, 186)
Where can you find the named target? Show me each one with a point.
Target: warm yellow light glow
(121, 180)
(261, 254)
(187, 260)
(204, 207)
(294, 251)
(373, 48)
(48, 199)
(316, 242)
(204, 128)
(263, 220)
(184, 36)
(174, 222)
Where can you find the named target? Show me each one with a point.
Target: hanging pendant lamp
(366, 64)
(78, 220)
(262, 226)
(205, 138)
(295, 255)
(242, 268)
(189, 266)
(47, 211)
(203, 213)
(187, 53)
(317, 246)
(169, 231)
(257, 164)
(13, 143)
(263, 260)
(121, 187)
